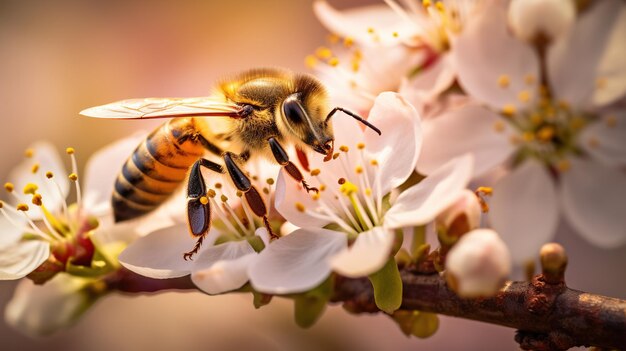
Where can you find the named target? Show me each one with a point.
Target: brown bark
(548, 316)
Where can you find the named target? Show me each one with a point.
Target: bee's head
(305, 121)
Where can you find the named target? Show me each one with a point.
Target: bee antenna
(355, 116)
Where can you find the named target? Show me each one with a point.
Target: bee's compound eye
(293, 111)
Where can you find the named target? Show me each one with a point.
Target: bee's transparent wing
(163, 108)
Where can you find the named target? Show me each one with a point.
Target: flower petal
(605, 140)
(9, 233)
(223, 267)
(524, 210)
(594, 202)
(160, 254)
(469, 128)
(492, 65)
(21, 258)
(48, 159)
(429, 83)
(422, 202)
(44, 309)
(367, 255)
(573, 60)
(101, 171)
(612, 70)
(297, 262)
(398, 148)
(356, 22)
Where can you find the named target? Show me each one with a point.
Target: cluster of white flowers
(527, 95)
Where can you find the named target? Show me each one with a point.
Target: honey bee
(253, 113)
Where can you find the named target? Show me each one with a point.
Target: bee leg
(198, 207)
(243, 184)
(283, 159)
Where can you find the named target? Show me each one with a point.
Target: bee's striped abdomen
(156, 169)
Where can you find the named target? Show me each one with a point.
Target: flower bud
(460, 218)
(45, 309)
(530, 19)
(478, 264)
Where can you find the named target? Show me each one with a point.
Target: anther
(499, 126)
(370, 30)
(374, 163)
(322, 187)
(300, 207)
(29, 153)
(546, 133)
(35, 168)
(564, 165)
(270, 181)
(368, 191)
(239, 193)
(9, 187)
(204, 200)
(22, 207)
(333, 38)
(508, 110)
(323, 52)
(341, 181)
(348, 42)
(218, 185)
(358, 169)
(523, 96)
(30, 188)
(70, 151)
(529, 79)
(343, 148)
(335, 155)
(360, 146)
(315, 172)
(49, 175)
(439, 5)
(528, 136)
(536, 119)
(504, 81)
(73, 177)
(37, 200)
(310, 61)
(266, 190)
(395, 34)
(211, 193)
(426, 3)
(315, 196)
(333, 62)
(601, 83)
(348, 188)
(224, 198)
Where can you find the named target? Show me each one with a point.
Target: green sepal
(310, 306)
(224, 238)
(387, 287)
(417, 323)
(256, 242)
(260, 299)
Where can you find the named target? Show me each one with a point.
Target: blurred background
(57, 58)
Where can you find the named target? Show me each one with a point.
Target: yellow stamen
(300, 207)
(546, 133)
(426, 3)
(357, 54)
(270, 181)
(348, 42)
(22, 207)
(523, 96)
(601, 83)
(239, 193)
(528, 136)
(370, 30)
(204, 200)
(322, 187)
(395, 34)
(218, 185)
(49, 175)
(335, 155)
(30, 188)
(504, 81)
(536, 119)
(9, 187)
(486, 190)
(439, 5)
(323, 52)
(73, 177)
(333, 62)
(348, 188)
(499, 126)
(315, 172)
(360, 146)
(509, 110)
(211, 193)
(315, 196)
(374, 163)
(310, 61)
(564, 165)
(368, 191)
(224, 198)
(343, 148)
(266, 190)
(355, 66)
(35, 168)
(333, 38)
(358, 169)
(341, 181)
(577, 123)
(28, 153)
(70, 151)
(529, 79)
